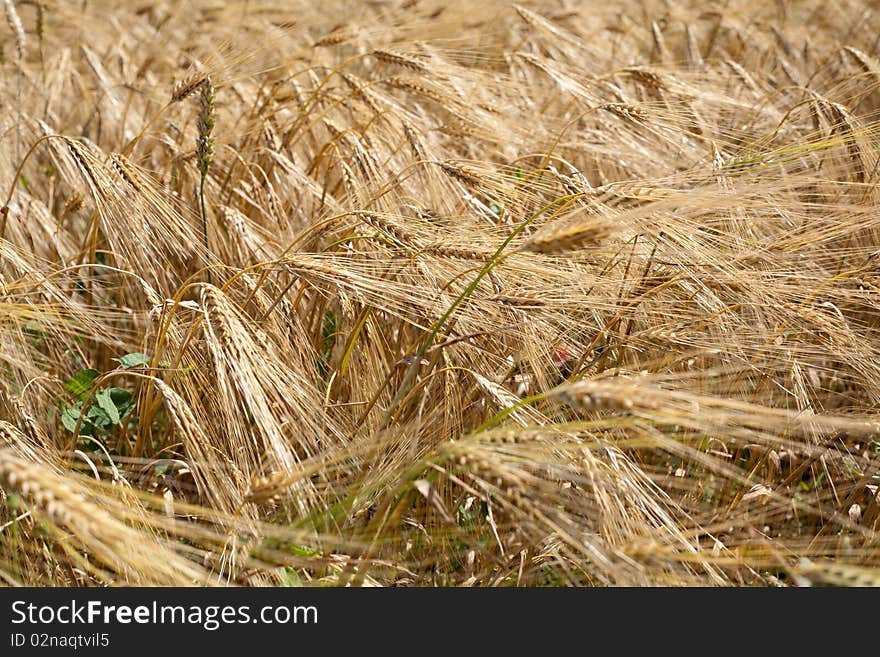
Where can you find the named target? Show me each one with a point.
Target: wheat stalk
(205, 151)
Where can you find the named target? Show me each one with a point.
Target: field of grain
(439, 293)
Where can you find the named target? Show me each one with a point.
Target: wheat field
(440, 293)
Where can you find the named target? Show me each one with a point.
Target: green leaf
(70, 416)
(304, 550)
(135, 359)
(106, 404)
(82, 382)
(289, 577)
(328, 334)
(98, 416)
(122, 399)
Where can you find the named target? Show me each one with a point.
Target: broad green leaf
(82, 382)
(106, 404)
(123, 400)
(98, 416)
(135, 359)
(69, 417)
(119, 395)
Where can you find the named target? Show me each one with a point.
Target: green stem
(563, 202)
(205, 224)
